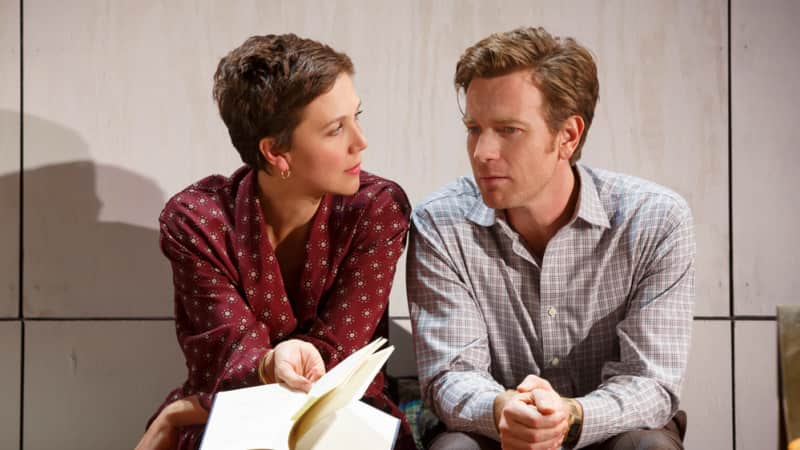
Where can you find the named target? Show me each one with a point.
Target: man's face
(511, 149)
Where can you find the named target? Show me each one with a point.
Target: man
(551, 302)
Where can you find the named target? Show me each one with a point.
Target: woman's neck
(287, 210)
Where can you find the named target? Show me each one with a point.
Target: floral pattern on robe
(231, 306)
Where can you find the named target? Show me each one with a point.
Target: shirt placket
(552, 290)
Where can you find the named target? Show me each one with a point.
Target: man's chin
(494, 200)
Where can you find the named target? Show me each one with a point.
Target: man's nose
(486, 148)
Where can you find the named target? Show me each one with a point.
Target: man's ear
(570, 136)
(276, 159)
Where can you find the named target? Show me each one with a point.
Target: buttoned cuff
(594, 427)
(484, 422)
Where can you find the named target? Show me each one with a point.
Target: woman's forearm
(184, 412)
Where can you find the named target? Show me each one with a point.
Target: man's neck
(553, 208)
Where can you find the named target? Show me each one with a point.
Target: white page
(364, 375)
(261, 417)
(344, 369)
(378, 422)
(252, 418)
(357, 425)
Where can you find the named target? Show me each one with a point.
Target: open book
(330, 416)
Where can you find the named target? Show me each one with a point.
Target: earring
(285, 174)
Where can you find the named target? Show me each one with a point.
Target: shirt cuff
(484, 414)
(594, 428)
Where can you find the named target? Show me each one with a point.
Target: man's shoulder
(449, 205)
(627, 197)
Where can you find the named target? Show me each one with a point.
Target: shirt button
(551, 311)
(555, 362)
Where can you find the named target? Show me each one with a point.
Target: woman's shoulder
(212, 198)
(375, 192)
(377, 212)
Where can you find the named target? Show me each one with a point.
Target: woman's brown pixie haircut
(563, 70)
(262, 87)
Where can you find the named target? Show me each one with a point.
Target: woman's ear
(570, 136)
(274, 158)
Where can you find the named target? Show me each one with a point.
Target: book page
(349, 391)
(258, 417)
(263, 417)
(342, 371)
(338, 375)
(382, 427)
(372, 428)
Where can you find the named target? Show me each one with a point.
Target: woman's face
(325, 155)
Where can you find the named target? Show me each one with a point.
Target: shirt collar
(590, 208)
(480, 214)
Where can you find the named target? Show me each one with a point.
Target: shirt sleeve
(219, 335)
(450, 337)
(642, 389)
(359, 295)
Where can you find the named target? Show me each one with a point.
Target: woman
(283, 269)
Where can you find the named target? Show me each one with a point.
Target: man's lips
(491, 177)
(488, 181)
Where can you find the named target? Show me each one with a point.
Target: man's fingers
(518, 412)
(547, 444)
(532, 382)
(534, 427)
(510, 442)
(517, 435)
(546, 401)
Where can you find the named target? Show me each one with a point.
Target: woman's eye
(358, 114)
(338, 129)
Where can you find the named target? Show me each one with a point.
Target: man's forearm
(464, 401)
(624, 405)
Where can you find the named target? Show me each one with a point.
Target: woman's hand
(163, 433)
(296, 363)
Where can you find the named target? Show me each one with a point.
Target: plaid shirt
(605, 316)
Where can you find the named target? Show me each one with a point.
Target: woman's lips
(354, 170)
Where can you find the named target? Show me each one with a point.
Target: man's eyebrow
(509, 120)
(503, 120)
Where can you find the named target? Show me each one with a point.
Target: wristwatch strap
(574, 424)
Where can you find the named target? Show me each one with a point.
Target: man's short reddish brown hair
(563, 70)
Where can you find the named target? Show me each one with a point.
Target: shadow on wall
(76, 265)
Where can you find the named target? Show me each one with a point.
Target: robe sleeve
(221, 339)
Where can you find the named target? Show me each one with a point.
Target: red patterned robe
(230, 302)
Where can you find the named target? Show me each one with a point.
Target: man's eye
(473, 130)
(509, 130)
